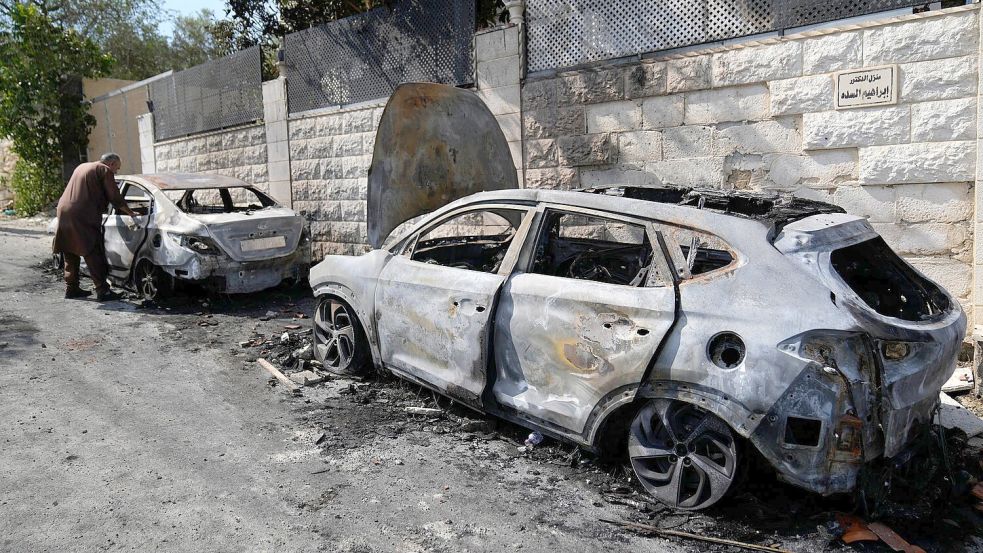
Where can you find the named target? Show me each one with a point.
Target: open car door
(435, 300)
(436, 143)
(122, 242)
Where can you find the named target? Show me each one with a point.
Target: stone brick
(562, 178)
(254, 155)
(687, 142)
(554, 122)
(539, 94)
(708, 172)
(856, 127)
(501, 100)
(255, 136)
(645, 79)
(617, 177)
(944, 79)
(954, 276)
(359, 121)
(764, 137)
(820, 169)
(497, 43)
(923, 239)
(685, 74)
(348, 145)
(321, 147)
(499, 72)
(943, 120)
(801, 95)
(918, 163)
(757, 64)
(590, 149)
(540, 153)
(614, 117)
(306, 169)
(356, 167)
(939, 203)
(332, 168)
(591, 87)
(511, 124)
(877, 203)
(301, 128)
(330, 125)
(640, 146)
(666, 111)
(924, 39)
(742, 103)
(832, 53)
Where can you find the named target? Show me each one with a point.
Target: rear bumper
(222, 274)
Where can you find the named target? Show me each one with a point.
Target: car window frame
(654, 236)
(681, 270)
(511, 255)
(123, 184)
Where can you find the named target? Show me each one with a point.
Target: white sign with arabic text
(871, 86)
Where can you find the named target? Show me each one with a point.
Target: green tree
(39, 62)
(195, 41)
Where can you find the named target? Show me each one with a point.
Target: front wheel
(339, 342)
(683, 455)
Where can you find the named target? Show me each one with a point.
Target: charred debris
(779, 209)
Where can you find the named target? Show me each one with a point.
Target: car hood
(435, 144)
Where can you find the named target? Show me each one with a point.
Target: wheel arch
(346, 294)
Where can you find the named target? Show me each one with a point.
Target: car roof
(186, 181)
(680, 205)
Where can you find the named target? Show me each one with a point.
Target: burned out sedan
(688, 326)
(212, 230)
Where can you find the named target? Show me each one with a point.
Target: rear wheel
(683, 455)
(339, 342)
(152, 282)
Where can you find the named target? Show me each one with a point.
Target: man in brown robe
(86, 198)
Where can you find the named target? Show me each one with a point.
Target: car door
(436, 300)
(584, 319)
(122, 242)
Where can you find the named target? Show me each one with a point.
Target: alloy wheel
(334, 336)
(683, 455)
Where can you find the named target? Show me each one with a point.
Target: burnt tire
(152, 283)
(340, 344)
(683, 455)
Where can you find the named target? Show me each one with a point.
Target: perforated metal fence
(365, 56)
(565, 33)
(216, 94)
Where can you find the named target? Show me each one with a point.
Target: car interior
(204, 201)
(476, 240)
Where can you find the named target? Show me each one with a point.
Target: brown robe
(88, 194)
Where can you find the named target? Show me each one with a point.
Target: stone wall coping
(334, 110)
(495, 29)
(829, 28)
(226, 130)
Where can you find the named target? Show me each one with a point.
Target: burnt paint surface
(435, 144)
(782, 300)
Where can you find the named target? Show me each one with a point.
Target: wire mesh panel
(216, 94)
(365, 56)
(565, 33)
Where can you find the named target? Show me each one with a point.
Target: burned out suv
(710, 321)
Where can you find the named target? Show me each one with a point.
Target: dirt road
(128, 428)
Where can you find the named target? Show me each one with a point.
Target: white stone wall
(239, 152)
(330, 154)
(760, 116)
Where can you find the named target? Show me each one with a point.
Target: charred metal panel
(434, 323)
(435, 144)
(563, 344)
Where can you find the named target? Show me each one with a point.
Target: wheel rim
(683, 455)
(148, 281)
(334, 335)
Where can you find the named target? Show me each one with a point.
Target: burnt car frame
(691, 324)
(211, 230)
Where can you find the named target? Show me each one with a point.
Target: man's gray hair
(110, 156)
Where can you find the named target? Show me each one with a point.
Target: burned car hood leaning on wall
(692, 324)
(213, 230)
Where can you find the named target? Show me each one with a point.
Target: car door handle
(479, 308)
